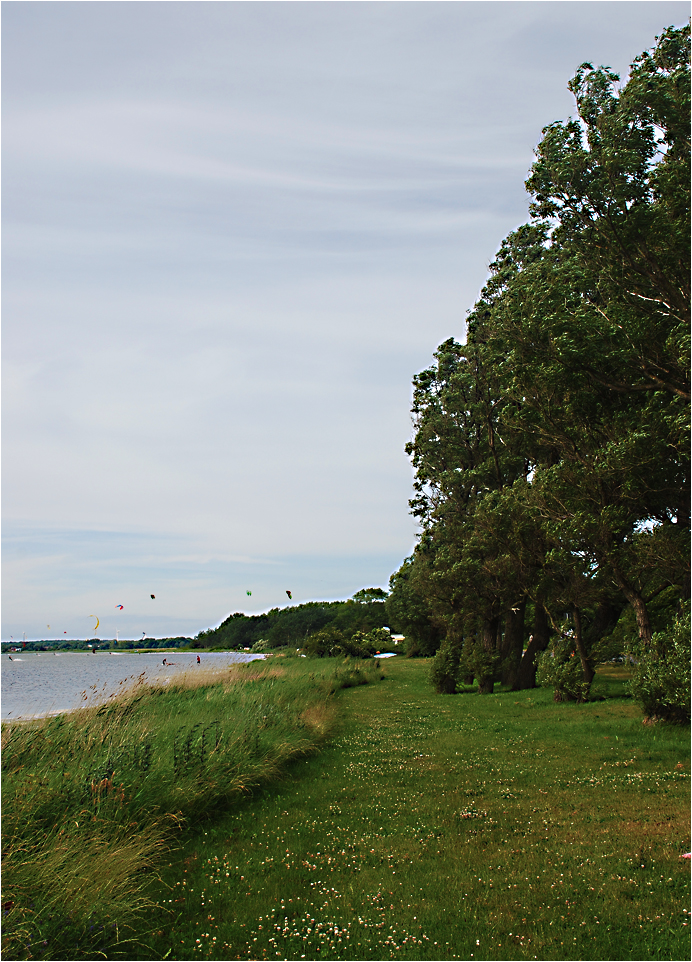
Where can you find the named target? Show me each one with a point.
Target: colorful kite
(97, 621)
(120, 607)
(289, 593)
(153, 596)
(248, 592)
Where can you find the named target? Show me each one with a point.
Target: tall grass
(92, 799)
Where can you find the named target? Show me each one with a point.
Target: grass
(426, 827)
(93, 799)
(443, 827)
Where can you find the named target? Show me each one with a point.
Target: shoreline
(111, 688)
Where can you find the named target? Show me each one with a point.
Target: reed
(92, 798)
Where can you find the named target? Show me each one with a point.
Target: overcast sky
(232, 233)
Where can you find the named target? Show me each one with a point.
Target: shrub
(445, 667)
(560, 668)
(661, 679)
(476, 662)
(327, 641)
(331, 641)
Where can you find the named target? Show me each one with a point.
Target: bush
(560, 668)
(476, 662)
(661, 679)
(327, 641)
(332, 642)
(445, 667)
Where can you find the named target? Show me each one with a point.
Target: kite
(248, 592)
(97, 621)
(289, 594)
(153, 596)
(120, 607)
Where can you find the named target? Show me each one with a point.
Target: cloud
(232, 234)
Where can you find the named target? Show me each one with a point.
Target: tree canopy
(551, 450)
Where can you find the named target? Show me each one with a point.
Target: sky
(233, 232)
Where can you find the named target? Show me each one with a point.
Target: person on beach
(164, 661)
(199, 660)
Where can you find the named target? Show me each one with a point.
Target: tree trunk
(486, 675)
(605, 619)
(637, 602)
(526, 674)
(586, 667)
(513, 644)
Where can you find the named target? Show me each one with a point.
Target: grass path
(443, 827)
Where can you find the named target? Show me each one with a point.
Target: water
(46, 682)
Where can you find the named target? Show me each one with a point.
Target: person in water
(199, 660)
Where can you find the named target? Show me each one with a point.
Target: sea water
(47, 682)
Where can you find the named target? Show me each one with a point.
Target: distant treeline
(282, 627)
(101, 643)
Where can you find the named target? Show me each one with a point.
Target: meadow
(449, 827)
(395, 823)
(93, 799)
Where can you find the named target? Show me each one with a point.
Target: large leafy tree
(551, 451)
(599, 324)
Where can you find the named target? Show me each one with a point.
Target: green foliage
(236, 632)
(661, 676)
(551, 451)
(559, 668)
(410, 613)
(289, 627)
(331, 642)
(366, 595)
(327, 642)
(476, 661)
(444, 670)
(352, 616)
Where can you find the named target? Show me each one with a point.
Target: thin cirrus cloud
(231, 235)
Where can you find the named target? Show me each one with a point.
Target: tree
(366, 595)
(589, 319)
(409, 612)
(551, 451)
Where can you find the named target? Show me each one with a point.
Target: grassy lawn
(441, 827)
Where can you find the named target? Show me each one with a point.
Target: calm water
(37, 683)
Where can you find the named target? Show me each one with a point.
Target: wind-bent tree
(551, 451)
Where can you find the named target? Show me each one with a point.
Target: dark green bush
(661, 679)
(560, 668)
(445, 667)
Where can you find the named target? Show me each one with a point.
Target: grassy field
(443, 827)
(92, 800)
(276, 813)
